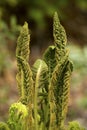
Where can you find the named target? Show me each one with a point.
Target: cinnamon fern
(44, 87)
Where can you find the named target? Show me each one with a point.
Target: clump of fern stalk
(43, 88)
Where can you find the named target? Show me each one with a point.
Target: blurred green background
(39, 15)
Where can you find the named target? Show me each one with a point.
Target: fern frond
(60, 81)
(59, 91)
(49, 58)
(40, 79)
(23, 42)
(4, 126)
(23, 51)
(74, 125)
(27, 80)
(60, 38)
(52, 97)
(27, 90)
(18, 113)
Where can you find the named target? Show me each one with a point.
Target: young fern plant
(44, 87)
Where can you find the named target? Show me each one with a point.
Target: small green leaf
(4, 126)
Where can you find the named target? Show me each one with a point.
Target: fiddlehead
(18, 114)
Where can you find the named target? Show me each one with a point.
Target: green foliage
(7, 38)
(74, 125)
(9, 33)
(18, 114)
(4, 126)
(82, 4)
(37, 10)
(44, 88)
